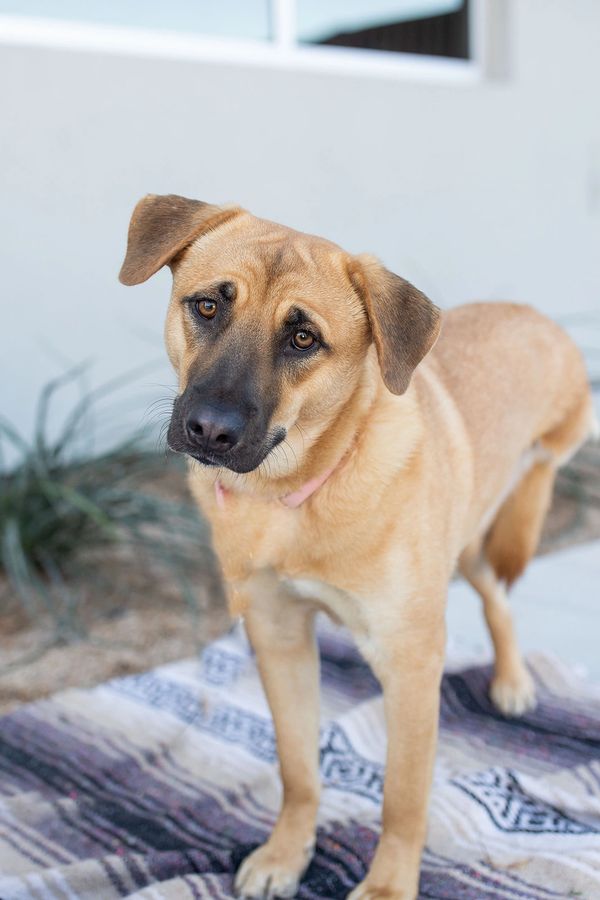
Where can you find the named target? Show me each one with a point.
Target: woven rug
(157, 785)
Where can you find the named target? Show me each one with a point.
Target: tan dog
(345, 467)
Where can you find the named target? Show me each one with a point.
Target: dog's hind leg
(515, 532)
(492, 564)
(512, 690)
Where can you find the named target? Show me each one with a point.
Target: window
(430, 38)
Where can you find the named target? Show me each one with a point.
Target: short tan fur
(443, 433)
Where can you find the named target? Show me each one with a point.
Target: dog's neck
(293, 499)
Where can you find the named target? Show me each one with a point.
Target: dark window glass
(429, 27)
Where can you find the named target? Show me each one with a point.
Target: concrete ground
(556, 607)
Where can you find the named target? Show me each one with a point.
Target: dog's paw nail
(263, 877)
(513, 696)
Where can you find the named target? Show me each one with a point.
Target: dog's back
(520, 385)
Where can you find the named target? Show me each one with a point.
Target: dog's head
(268, 328)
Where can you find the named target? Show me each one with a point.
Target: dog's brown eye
(302, 340)
(206, 308)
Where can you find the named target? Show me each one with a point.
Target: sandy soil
(148, 623)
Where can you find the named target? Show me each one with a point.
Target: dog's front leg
(281, 630)
(407, 656)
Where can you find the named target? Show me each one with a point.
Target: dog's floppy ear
(404, 323)
(161, 227)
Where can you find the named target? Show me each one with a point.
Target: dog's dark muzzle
(221, 433)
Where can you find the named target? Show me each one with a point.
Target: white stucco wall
(472, 191)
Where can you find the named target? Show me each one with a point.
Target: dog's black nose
(214, 429)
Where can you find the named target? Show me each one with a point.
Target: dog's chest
(301, 548)
(341, 605)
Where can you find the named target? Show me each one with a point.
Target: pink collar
(293, 500)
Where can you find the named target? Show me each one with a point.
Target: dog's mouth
(241, 459)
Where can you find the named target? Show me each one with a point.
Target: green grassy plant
(65, 510)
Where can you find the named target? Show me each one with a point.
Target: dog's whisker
(165, 387)
(162, 432)
(295, 456)
(300, 429)
(161, 402)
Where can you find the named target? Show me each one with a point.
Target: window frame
(284, 52)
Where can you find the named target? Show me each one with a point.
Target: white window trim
(282, 53)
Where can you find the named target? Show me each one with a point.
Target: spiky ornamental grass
(65, 512)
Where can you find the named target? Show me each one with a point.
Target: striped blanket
(157, 785)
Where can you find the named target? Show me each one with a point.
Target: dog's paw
(270, 872)
(366, 892)
(513, 696)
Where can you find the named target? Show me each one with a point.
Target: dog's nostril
(196, 427)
